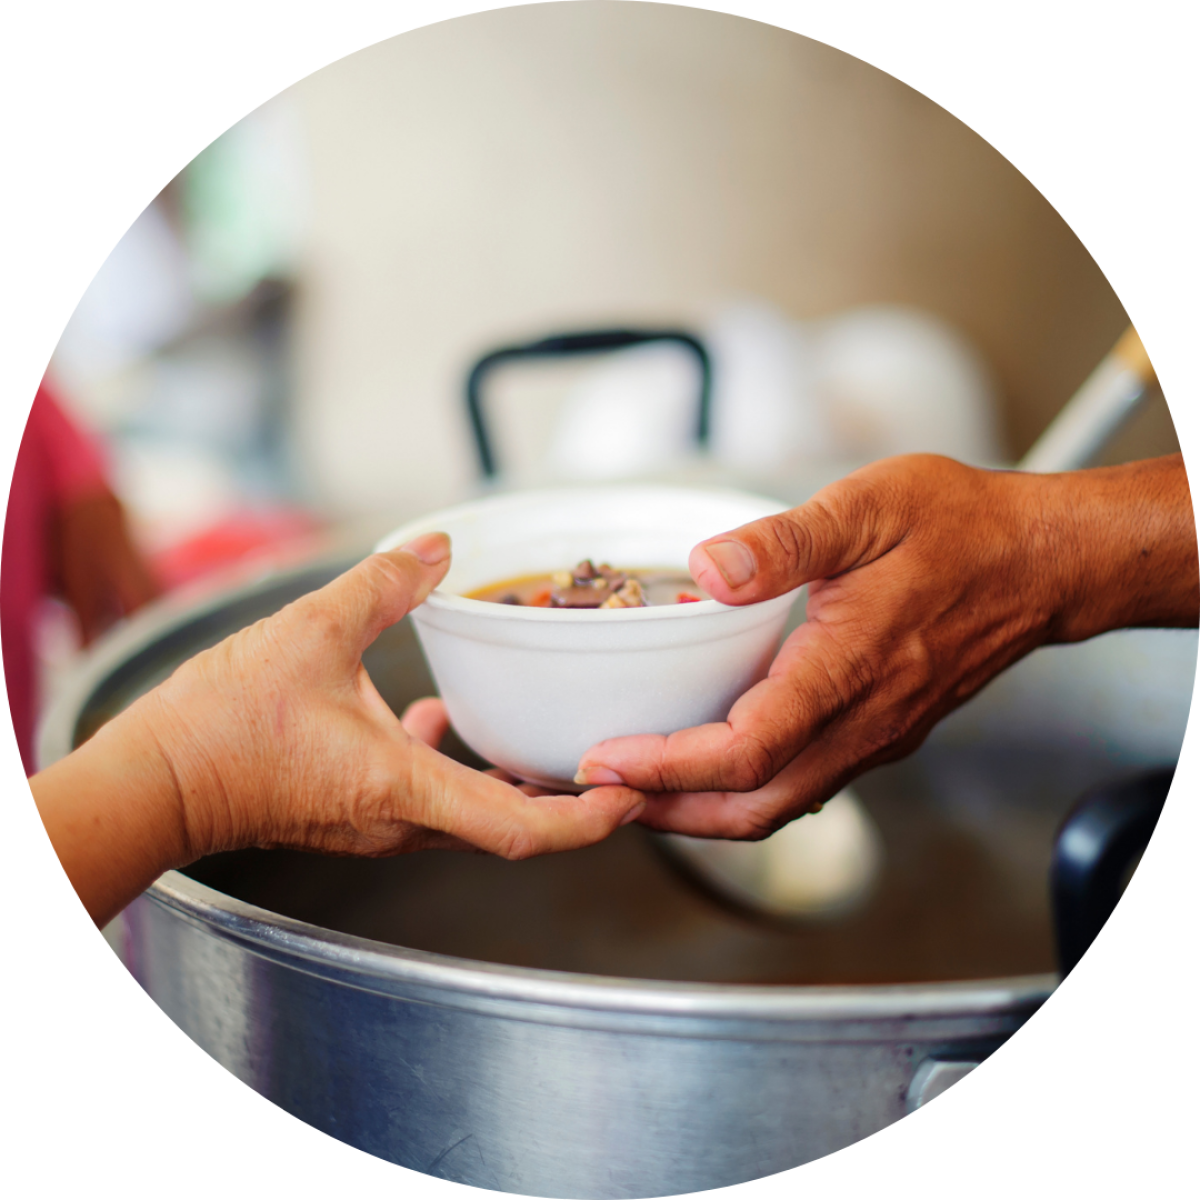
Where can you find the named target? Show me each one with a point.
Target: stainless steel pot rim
(379, 967)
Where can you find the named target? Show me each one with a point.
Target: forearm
(114, 814)
(1125, 538)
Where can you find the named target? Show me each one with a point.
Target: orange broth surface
(658, 586)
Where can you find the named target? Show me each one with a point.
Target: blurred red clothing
(269, 536)
(57, 463)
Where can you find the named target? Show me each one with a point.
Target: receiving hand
(278, 737)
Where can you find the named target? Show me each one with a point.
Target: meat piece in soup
(591, 586)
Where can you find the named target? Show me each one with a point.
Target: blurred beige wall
(534, 168)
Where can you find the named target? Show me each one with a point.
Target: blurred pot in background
(855, 386)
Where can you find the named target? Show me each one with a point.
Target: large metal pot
(591, 1024)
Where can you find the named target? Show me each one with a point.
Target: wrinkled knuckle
(751, 766)
(517, 844)
(854, 677)
(883, 737)
(752, 826)
(788, 541)
(918, 664)
(324, 627)
(830, 512)
(744, 777)
(753, 831)
(377, 784)
(385, 574)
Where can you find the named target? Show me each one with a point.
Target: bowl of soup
(568, 616)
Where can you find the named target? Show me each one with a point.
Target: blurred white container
(896, 380)
(531, 689)
(765, 413)
(859, 385)
(632, 414)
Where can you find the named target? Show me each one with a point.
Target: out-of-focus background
(279, 344)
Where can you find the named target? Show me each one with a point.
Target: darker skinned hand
(925, 579)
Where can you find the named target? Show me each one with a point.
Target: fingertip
(432, 549)
(426, 704)
(596, 775)
(427, 720)
(635, 812)
(595, 814)
(734, 560)
(704, 572)
(615, 805)
(411, 571)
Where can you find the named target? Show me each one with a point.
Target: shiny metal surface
(440, 1040)
(541, 1083)
(935, 1076)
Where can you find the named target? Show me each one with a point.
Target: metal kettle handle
(1098, 843)
(567, 345)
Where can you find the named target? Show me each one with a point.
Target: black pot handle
(564, 345)
(1097, 844)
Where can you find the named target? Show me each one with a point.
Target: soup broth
(590, 586)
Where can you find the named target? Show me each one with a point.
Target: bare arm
(277, 737)
(926, 579)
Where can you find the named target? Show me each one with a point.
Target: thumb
(838, 529)
(376, 593)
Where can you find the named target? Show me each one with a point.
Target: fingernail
(597, 777)
(633, 814)
(733, 560)
(430, 548)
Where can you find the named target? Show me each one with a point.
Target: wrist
(114, 814)
(1120, 547)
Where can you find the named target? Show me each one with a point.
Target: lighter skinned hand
(278, 737)
(925, 579)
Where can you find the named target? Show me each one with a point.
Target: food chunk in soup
(591, 586)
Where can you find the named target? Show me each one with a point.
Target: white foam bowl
(531, 689)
